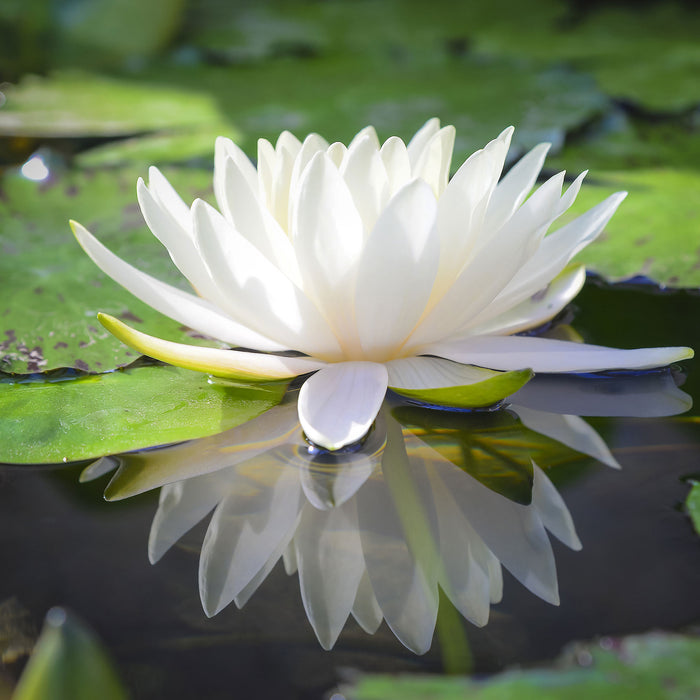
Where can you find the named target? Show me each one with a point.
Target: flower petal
(256, 291)
(443, 383)
(225, 150)
(421, 138)
(552, 510)
(537, 309)
(398, 168)
(397, 270)
(545, 355)
(433, 164)
(338, 404)
(186, 308)
(234, 364)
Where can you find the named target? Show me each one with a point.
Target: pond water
(638, 569)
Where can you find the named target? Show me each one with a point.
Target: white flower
(374, 267)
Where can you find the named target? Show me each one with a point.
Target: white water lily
(374, 267)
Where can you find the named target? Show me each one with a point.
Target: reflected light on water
(35, 169)
(433, 500)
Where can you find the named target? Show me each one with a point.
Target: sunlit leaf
(63, 420)
(692, 504)
(493, 388)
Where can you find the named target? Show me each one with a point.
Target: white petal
(365, 175)
(339, 403)
(258, 294)
(176, 235)
(366, 610)
(534, 311)
(254, 221)
(312, 145)
(555, 252)
(421, 139)
(249, 528)
(186, 308)
(652, 394)
(433, 164)
(552, 510)
(398, 168)
(169, 198)
(328, 237)
(571, 431)
(397, 270)
(329, 555)
(368, 131)
(180, 507)
(226, 150)
(545, 355)
(511, 191)
(432, 373)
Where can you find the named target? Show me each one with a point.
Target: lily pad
(49, 420)
(655, 231)
(51, 291)
(651, 667)
(68, 663)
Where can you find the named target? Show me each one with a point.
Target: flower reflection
(432, 499)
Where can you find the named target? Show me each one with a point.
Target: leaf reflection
(432, 499)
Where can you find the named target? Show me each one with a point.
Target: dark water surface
(639, 568)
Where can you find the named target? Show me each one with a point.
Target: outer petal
(433, 164)
(221, 363)
(181, 306)
(226, 150)
(545, 355)
(338, 404)
(421, 138)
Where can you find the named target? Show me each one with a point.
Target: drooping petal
(545, 355)
(186, 308)
(234, 364)
(646, 395)
(257, 292)
(571, 431)
(552, 510)
(250, 528)
(397, 270)
(170, 200)
(329, 557)
(444, 383)
(365, 609)
(338, 404)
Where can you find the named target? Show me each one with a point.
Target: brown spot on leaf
(643, 241)
(38, 290)
(60, 344)
(81, 364)
(128, 316)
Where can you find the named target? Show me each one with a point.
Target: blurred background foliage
(99, 90)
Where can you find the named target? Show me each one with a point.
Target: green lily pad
(76, 104)
(68, 663)
(50, 291)
(494, 387)
(655, 230)
(651, 667)
(48, 421)
(692, 505)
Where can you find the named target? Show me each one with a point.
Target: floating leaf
(47, 420)
(68, 663)
(651, 667)
(50, 291)
(654, 232)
